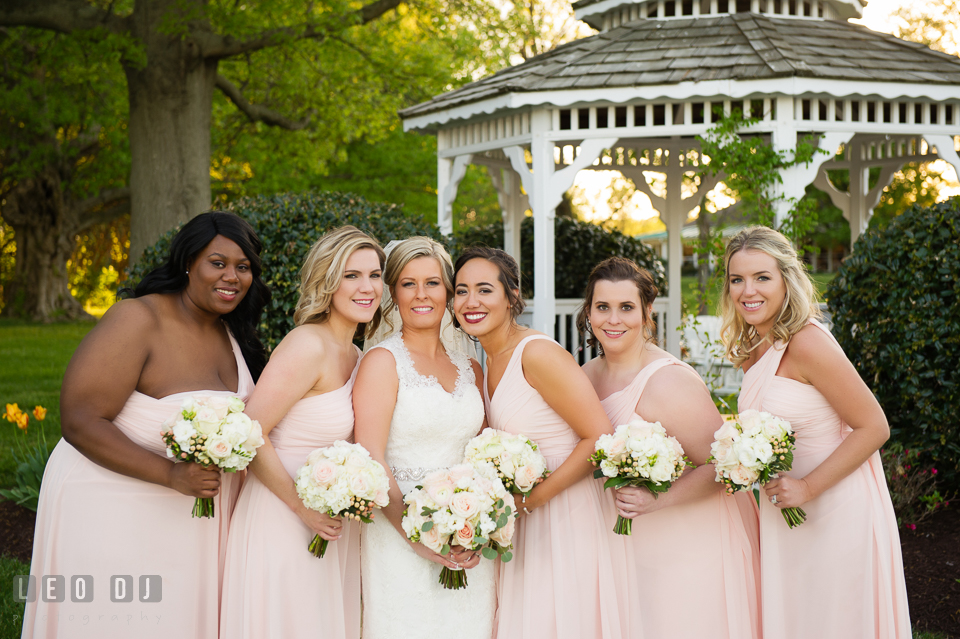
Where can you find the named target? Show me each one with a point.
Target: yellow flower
(12, 413)
(22, 420)
(39, 412)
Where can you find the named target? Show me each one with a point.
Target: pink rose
(432, 539)
(465, 536)
(359, 485)
(219, 406)
(743, 476)
(324, 472)
(526, 478)
(441, 492)
(464, 505)
(218, 447)
(382, 498)
(504, 536)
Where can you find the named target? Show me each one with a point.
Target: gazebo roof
(739, 46)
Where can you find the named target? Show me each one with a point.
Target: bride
(417, 404)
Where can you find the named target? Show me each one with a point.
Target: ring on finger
(773, 500)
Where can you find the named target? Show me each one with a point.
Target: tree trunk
(171, 102)
(44, 228)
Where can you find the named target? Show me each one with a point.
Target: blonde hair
(322, 273)
(799, 303)
(404, 252)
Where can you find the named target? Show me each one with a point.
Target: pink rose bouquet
(464, 506)
(342, 480)
(753, 448)
(212, 431)
(638, 454)
(518, 462)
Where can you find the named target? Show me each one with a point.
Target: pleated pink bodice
(706, 565)
(840, 574)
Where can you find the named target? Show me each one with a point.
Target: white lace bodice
(430, 427)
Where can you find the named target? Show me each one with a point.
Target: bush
(579, 247)
(913, 487)
(896, 313)
(288, 224)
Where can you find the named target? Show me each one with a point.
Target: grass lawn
(33, 358)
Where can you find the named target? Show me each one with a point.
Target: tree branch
(108, 205)
(63, 16)
(257, 112)
(226, 47)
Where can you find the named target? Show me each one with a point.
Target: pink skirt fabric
(839, 574)
(696, 564)
(273, 585)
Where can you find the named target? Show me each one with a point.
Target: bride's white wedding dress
(402, 596)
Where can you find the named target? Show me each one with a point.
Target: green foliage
(896, 312)
(288, 225)
(579, 246)
(11, 613)
(912, 484)
(30, 466)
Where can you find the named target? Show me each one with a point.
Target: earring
(187, 272)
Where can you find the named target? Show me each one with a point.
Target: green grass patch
(11, 614)
(33, 358)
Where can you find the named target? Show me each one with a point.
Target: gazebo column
(946, 149)
(545, 187)
(513, 204)
(449, 174)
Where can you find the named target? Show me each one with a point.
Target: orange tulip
(39, 412)
(22, 420)
(12, 413)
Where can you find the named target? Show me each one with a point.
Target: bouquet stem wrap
(453, 579)
(203, 507)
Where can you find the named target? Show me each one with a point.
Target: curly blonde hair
(323, 271)
(404, 252)
(799, 304)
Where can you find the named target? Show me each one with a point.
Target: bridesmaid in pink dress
(111, 501)
(567, 577)
(694, 551)
(840, 574)
(273, 585)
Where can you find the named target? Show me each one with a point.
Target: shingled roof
(740, 46)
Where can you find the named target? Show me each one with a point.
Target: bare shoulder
(127, 324)
(675, 384)
(812, 346)
(304, 342)
(541, 351)
(376, 361)
(592, 368)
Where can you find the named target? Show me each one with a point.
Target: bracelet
(523, 504)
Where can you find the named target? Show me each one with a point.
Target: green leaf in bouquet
(426, 512)
(598, 474)
(489, 553)
(655, 488)
(499, 503)
(617, 482)
(365, 519)
(507, 556)
(502, 520)
(445, 550)
(427, 525)
(508, 511)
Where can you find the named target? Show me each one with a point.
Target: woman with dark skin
(112, 503)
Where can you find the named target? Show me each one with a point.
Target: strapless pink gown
(840, 574)
(273, 586)
(93, 521)
(567, 576)
(697, 563)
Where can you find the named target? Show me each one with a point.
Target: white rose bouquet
(518, 462)
(212, 431)
(464, 506)
(638, 454)
(339, 480)
(751, 448)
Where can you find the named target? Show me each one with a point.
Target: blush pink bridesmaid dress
(93, 521)
(696, 564)
(567, 571)
(273, 585)
(840, 574)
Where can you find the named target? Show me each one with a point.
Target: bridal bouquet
(518, 462)
(638, 454)
(753, 448)
(212, 431)
(342, 479)
(464, 506)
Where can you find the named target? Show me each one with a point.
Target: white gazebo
(633, 97)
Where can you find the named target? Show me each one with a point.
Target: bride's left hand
(463, 557)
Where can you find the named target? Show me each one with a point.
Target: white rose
(254, 438)
(514, 445)
(235, 405)
(432, 539)
(750, 421)
(743, 476)
(609, 468)
(218, 447)
(220, 405)
(727, 431)
(206, 421)
(526, 478)
(183, 432)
